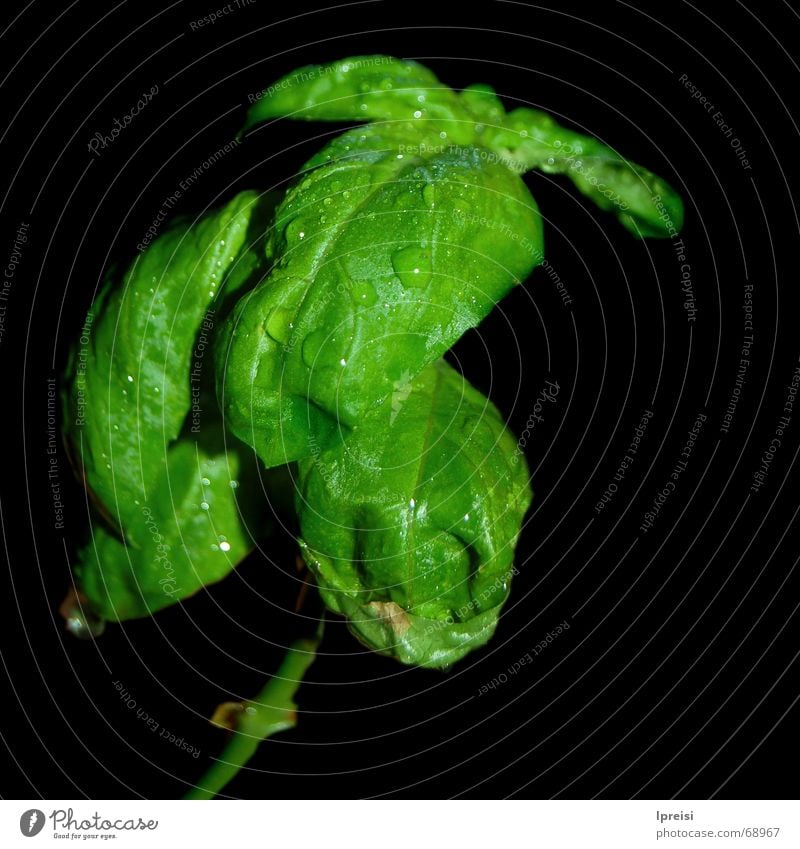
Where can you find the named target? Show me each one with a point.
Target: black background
(677, 676)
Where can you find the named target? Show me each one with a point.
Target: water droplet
(294, 230)
(205, 481)
(443, 135)
(399, 155)
(204, 505)
(523, 134)
(551, 160)
(130, 378)
(417, 113)
(429, 194)
(279, 323)
(83, 623)
(214, 546)
(343, 362)
(327, 201)
(234, 484)
(466, 517)
(225, 546)
(412, 504)
(413, 266)
(557, 142)
(363, 107)
(363, 293)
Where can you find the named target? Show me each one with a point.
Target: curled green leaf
(143, 425)
(410, 524)
(361, 88)
(385, 252)
(644, 203)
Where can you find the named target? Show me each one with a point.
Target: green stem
(272, 711)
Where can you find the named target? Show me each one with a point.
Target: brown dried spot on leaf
(394, 616)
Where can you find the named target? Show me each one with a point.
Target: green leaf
(361, 88)
(174, 545)
(644, 203)
(389, 247)
(143, 424)
(410, 523)
(383, 88)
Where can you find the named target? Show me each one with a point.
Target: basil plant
(307, 331)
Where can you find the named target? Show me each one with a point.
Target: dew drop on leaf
(413, 266)
(363, 293)
(278, 324)
(294, 231)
